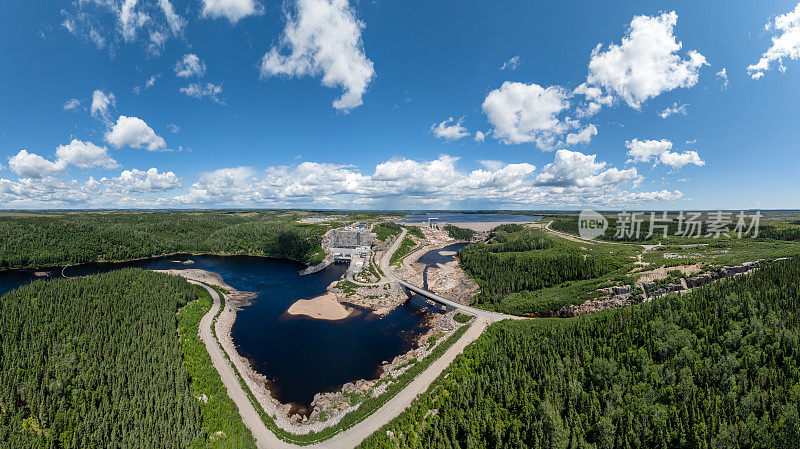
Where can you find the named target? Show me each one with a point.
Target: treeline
(524, 262)
(789, 233)
(33, 241)
(96, 362)
(621, 232)
(716, 368)
(386, 229)
(459, 233)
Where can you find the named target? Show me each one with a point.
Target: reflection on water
(299, 355)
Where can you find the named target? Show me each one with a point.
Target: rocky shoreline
(328, 408)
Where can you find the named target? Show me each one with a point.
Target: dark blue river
(300, 356)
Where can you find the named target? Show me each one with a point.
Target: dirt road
(351, 437)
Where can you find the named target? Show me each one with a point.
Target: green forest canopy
(45, 240)
(96, 362)
(716, 368)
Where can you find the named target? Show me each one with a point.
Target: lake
(469, 218)
(300, 356)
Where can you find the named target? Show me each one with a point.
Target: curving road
(354, 435)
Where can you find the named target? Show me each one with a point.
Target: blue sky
(337, 104)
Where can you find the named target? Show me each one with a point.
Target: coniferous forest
(96, 362)
(716, 368)
(71, 238)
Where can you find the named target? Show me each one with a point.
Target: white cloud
(174, 128)
(148, 84)
(511, 64)
(32, 165)
(645, 150)
(723, 76)
(674, 109)
(583, 136)
(78, 153)
(479, 136)
(523, 113)
(679, 160)
(573, 168)
(176, 22)
(645, 64)
(190, 65)
(143, 181)
(785, 43)
(323, 37)
(449, 130)
(198, 90)
(134, 132)
(659, 151)
(72, 104)
(573, 179)
(130, 20)
(101, 102)
(85, 155)
(233, 10)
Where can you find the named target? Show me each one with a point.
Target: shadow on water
(299, 356)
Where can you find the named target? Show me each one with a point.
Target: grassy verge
(222, 423)
(406, 248)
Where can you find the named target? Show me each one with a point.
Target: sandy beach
(323, 307)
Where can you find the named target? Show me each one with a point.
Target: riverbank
(328, 408)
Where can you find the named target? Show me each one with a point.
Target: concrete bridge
(447, 304)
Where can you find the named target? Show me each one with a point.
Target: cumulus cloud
(645, 64)
(134, 132)
(645, 150)
(72, 104)
(85, 155)
(132, 181)
(785, 43)
(190, 65)
(198, 90)
(233, 10)
(77, 153)
(449, 130)
(674, 109)
(511, 64)
(573, 168)
(573, 178)
(323, 38)
(530, 113)
(479, 136)
(679, 160)
(101, 102)
(582, 136)
(32, 165)
(656, 151)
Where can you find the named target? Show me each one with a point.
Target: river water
(300, 356)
